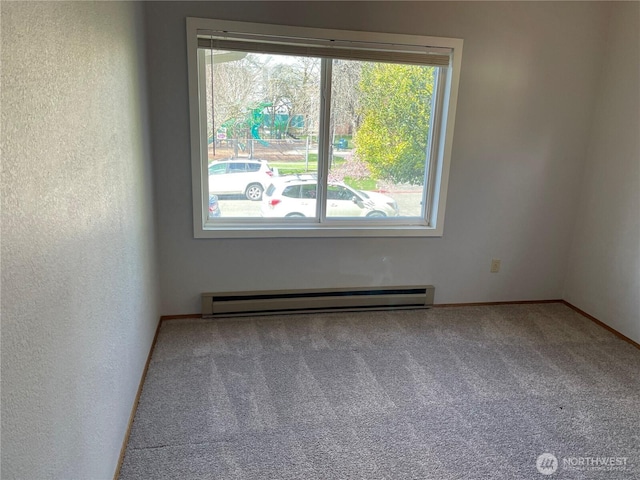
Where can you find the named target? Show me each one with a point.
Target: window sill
(315, 231)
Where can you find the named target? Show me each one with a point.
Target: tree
(293, 88)
(345, 98)
(235, 84)
(395, 106)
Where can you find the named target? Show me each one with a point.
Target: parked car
(245, 177)
(296, 197)
(214, 206)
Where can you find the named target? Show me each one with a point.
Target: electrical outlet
(495, 265)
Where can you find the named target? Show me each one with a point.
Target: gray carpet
(447, 393)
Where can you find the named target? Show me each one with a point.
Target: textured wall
(604, 269)
(79, 287)
(527, 84)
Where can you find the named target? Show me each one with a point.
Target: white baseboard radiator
(314, 300)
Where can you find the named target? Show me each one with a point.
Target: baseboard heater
(314, 300)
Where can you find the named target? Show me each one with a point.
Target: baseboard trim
(134, 408)
(488, 304)
(602, 324)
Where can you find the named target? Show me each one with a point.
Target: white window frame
(440, 155)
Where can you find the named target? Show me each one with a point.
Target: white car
(296, 197)
(244, 177)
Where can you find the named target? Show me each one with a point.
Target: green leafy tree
(395, 109)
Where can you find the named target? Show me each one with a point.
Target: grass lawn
(293, 168)
(300, 166)
(361, 184)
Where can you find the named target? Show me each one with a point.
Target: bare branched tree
(345, 95)
(286, 88)
(236, 86)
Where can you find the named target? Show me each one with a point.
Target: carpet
(446, 393)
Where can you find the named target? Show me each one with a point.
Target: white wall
(79, 285)
(604, 270)
(528, 80)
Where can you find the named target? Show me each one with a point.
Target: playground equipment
(252, 122)
(241, 132)
(256, 121)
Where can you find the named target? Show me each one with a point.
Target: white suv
(296, 197)
(245, 177)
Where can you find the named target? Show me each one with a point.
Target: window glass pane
(217, 169)
(380, 121)
(262, 126)
(308, 191)
(292, 191)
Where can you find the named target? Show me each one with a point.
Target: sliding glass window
(306, 132)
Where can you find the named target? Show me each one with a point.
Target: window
(217, 169)
(311, 132)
